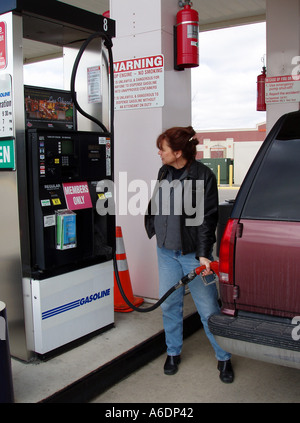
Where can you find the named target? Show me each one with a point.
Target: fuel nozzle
(186, 279)
(214, 266)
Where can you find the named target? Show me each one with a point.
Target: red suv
(259, 257)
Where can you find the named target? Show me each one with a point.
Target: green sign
(7, 154)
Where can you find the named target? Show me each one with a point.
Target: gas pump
(65, 170)
(57, 251)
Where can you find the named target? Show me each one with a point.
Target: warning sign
(283, 89)
(94, 84)
(139, 83)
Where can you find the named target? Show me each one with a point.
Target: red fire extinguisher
(261, 83)
(187, 34)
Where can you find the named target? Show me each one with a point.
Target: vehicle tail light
(226, 254)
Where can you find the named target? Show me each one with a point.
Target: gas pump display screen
(49, 108)
(67, 147)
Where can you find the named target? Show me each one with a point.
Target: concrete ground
(84, 370)
(197, 380)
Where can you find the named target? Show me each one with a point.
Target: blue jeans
(172, 266)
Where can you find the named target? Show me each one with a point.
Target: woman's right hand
(205, 262)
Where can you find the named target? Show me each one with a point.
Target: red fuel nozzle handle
(214, 266)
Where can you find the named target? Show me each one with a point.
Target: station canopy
(213, 14)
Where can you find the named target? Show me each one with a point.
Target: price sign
(6, 109)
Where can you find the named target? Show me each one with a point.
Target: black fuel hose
(140, 310)
(186, 279)
(108, 45)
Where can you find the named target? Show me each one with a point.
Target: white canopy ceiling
(213, 14)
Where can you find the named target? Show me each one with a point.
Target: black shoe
(226, 371)
(171, 364)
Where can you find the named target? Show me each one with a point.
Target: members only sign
(77, 195)
(139, 83)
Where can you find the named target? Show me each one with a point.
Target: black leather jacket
(199, 239)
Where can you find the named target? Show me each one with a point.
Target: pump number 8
(105, 24)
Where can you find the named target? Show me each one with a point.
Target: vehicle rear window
(275, 192)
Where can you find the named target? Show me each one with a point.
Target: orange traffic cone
(119, 302)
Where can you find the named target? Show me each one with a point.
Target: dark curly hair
(180, 138)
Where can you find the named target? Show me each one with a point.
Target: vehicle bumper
(257, 338)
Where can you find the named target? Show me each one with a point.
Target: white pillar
(283, 43)
(145, 28)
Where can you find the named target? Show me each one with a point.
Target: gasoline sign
(7, 154)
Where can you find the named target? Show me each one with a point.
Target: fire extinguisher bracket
(176, 67)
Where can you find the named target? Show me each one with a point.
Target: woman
(184, 239)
